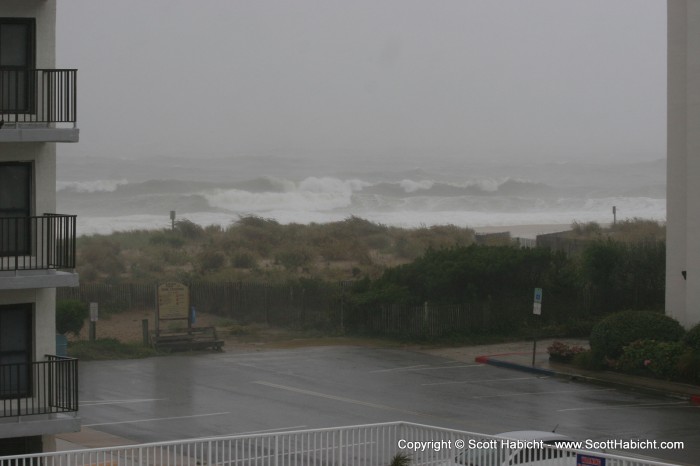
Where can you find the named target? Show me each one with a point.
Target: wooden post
(144, 328)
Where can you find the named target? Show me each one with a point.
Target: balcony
(38, 105)
(40, 396)
(37, 252)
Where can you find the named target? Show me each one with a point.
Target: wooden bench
(190, 339)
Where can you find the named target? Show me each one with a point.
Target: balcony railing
(42, 387)
(37, 243)
(365, 445)
(38, 96)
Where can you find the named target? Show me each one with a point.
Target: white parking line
(278, 429)
(337, 398)
(422, 367)
(482, 381)
(155, 419)
(404, 368)
(545, 393)
(117, 402)
(640, 405)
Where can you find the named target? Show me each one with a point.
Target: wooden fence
(298, 306)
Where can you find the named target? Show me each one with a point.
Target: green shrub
(210, 261)
(70, 316)
(108, 348)
(400, 459)
(294, 258)
(562, 352)
(166, 238)
(189, 229)
(244, 260)
(688, 366)
(692, 338)
(650, 357)
(585, 360)
(612, 334)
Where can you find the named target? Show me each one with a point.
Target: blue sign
(538, 295)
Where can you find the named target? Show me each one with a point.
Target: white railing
(366, 445)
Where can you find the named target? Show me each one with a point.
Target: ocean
(117, 194)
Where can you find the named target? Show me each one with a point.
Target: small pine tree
(70, 316)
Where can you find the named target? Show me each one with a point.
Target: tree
(70, 316)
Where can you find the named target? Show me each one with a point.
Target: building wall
(44, 301)
(683, 173)
(45, 13)
(43, 157)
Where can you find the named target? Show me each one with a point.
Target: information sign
(93, 312)
(173, 301)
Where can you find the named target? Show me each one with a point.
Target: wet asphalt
(213, 394)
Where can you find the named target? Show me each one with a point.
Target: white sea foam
(400, 201)
(90, 186)
(311, 194)
(411, 186)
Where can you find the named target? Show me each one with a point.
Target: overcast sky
(527, 80)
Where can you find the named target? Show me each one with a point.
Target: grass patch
(108, 348)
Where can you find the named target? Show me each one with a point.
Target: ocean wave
(90, 186)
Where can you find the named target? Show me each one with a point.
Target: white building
(38, 390)
(683, 177)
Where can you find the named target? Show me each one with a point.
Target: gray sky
(527, 80)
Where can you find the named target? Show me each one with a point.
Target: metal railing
(365, 445)
(38, 96)
(37, 243)
(40, 387)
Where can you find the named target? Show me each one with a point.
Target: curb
(492, 361)
(512, 365)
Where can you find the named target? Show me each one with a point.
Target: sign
(538, 295)
(173, 301)
(537, 309)
(93, 312)
(589, 460)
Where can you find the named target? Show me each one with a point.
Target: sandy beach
(525, 231)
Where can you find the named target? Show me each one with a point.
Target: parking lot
(177, 397)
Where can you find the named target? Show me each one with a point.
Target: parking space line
(277, 429)
(404, 368)
(337, 398)
(638, 405)
(116, 402)
(424, 367)
(481, 381)
(545, 393)
(155, 419)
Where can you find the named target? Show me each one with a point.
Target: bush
(189, 229)
(688, 366)
(612, 334)
(108, 348)
(650, 357)
(244, 260)
(70, 316)
(692, 338)
(585, 360)
(562, 352)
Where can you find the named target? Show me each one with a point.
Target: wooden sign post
(173, 303)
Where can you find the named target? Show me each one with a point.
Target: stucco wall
(683, 172)
(43, 155)
(45, 13)
(44, 317)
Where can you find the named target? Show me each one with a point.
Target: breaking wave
(400, 201)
